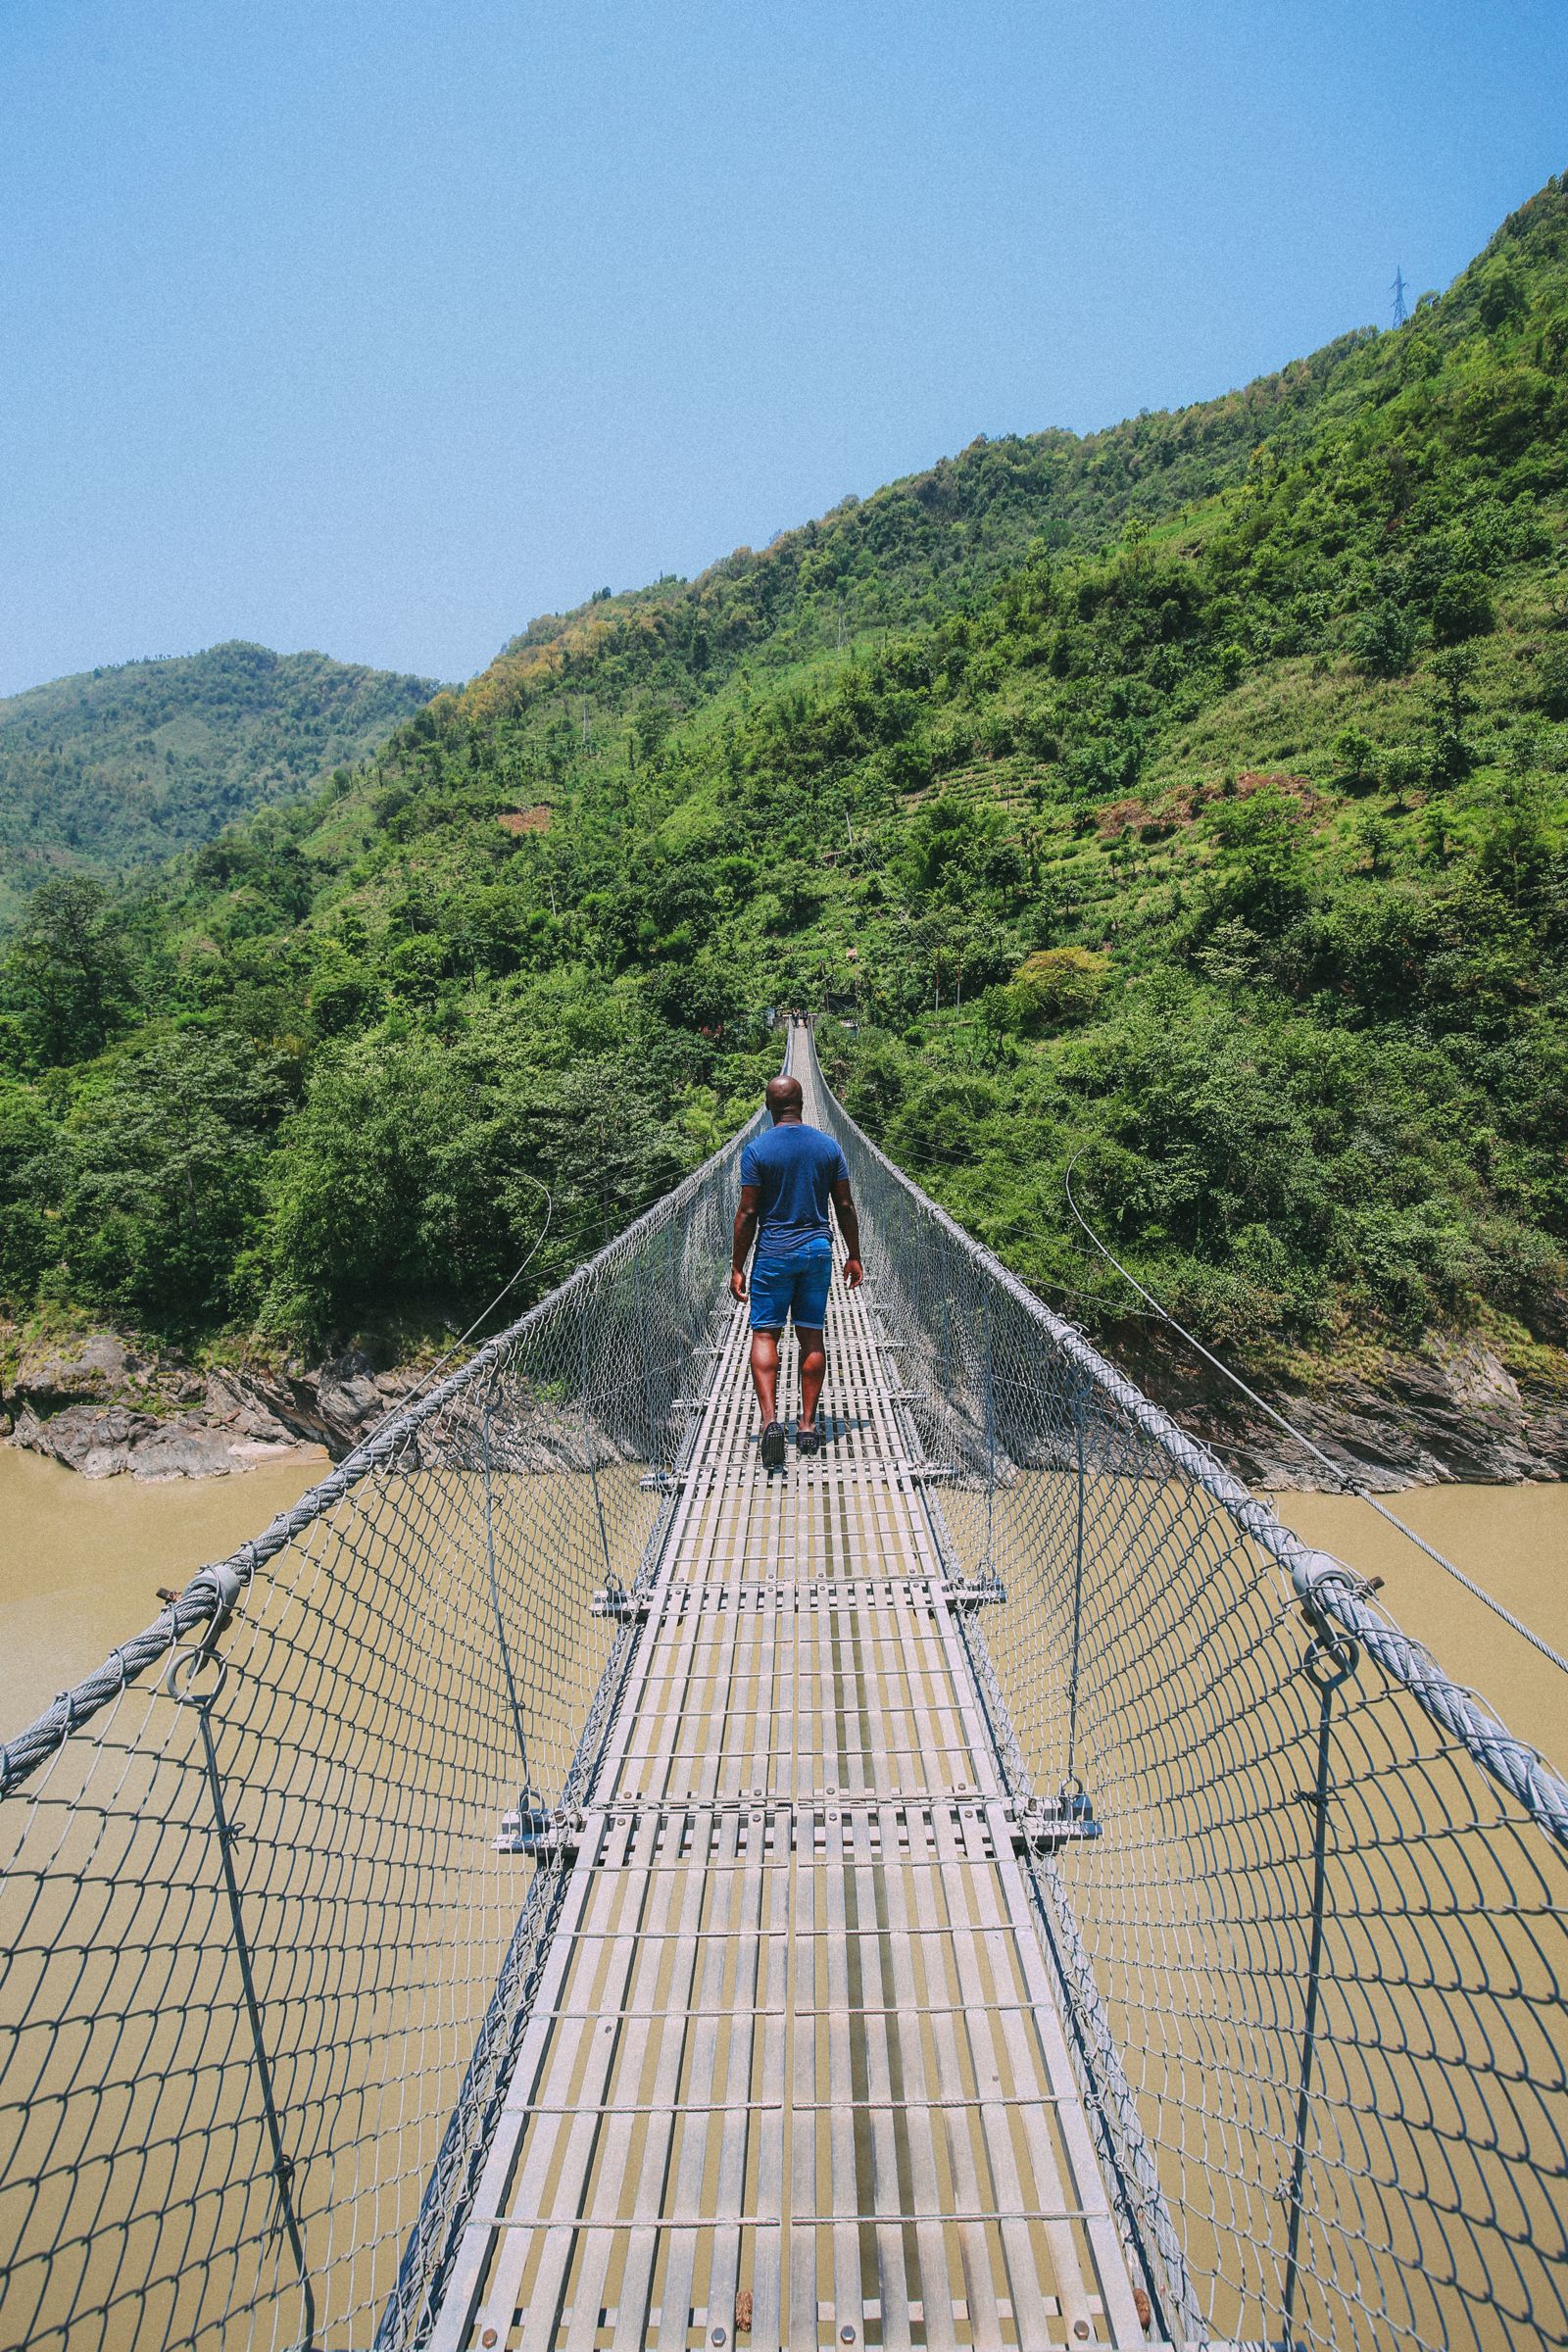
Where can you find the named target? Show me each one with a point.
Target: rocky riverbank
(1450, 1411)
(94, 1402)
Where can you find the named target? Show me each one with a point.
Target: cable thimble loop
(226, 1585)
(1331, 1659)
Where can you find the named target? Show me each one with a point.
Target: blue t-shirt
(794, 1168)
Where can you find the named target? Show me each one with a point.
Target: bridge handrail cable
(266, 1955)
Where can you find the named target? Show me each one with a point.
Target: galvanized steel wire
(363, 1985)
(1325, 1912)
(1313, 1959)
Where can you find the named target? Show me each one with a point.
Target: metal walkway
(769, 2047)
(795, 2076)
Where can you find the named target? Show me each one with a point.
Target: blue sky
(380, 329)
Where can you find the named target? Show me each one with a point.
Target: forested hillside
(119, 767)
(1192, 796)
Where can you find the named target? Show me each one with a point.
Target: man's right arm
(744, 1235)
(849, 1226)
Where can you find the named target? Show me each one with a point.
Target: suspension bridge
(563, 1888)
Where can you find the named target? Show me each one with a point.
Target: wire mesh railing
(1305, 1893)
(262, 1964)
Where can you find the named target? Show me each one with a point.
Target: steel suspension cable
(1348, 1484)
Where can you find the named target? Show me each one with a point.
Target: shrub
(1552, 679)
(1054, 987)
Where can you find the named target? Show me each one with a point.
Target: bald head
(784, 1098)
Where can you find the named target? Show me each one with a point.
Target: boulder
(231, 1402)
(95, 1368)
(1448, 1414)
(183, 1449)
(337, 1406)
(110, 1441)
(99, 1440)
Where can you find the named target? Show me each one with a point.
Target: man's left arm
(849, 1226)
(745, 1236)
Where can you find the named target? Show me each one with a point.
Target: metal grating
(795, 2076)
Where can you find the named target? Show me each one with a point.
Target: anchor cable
(1348, 1484)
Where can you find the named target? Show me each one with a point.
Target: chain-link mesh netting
(1306, 1897)
(262, 1964)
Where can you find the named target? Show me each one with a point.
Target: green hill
(1191, 797)
(119, 767)
(916, 550)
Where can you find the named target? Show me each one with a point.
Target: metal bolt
(1080, 2328)
(719, 2336)
(488, 2338)
(846, 2336)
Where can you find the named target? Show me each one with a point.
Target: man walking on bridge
(787, 1176)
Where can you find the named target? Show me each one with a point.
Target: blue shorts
(782, 1287)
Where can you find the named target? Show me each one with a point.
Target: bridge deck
(794, 2075)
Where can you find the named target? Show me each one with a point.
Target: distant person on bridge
(787, 1176)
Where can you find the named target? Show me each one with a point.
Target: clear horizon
(378, 336)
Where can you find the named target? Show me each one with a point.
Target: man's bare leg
(813, 1366)
(765, 1373)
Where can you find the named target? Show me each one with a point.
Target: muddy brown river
(80, 1560)
(80, 1564)
(1512, 1539)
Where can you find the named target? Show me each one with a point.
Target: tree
(1355, 754)
(1552, 679)
(1453, 703)
(1262, 865)
(1377, 838)
(1461, 608)
(385, 1183)
(68, 969)
(1053, 989)
(1502, 297)
(1385, 641)
(948, 846)
(28, 1139)
(160, 1173)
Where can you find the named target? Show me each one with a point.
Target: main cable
(1346, 1484)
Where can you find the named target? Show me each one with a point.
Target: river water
(80, 1564)
(80, 1560)
(1512, 1539)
